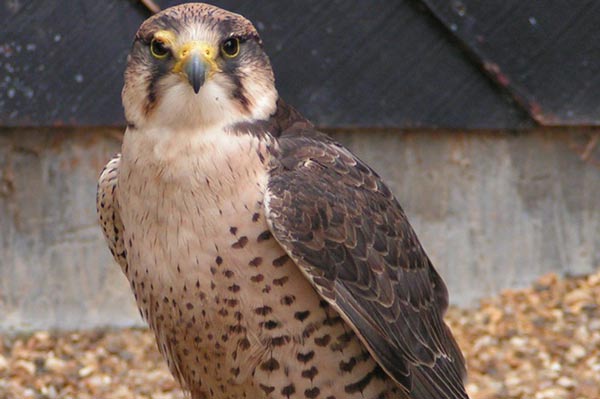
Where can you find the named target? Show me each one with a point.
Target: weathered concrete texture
(493, 210)
(55, 270)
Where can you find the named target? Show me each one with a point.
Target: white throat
(212, 108)
(185, 157)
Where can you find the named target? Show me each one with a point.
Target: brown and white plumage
(267, 258)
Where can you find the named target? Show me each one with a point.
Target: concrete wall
(493, 210)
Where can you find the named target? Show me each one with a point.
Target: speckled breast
(233, 315)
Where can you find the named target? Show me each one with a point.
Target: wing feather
(107, 209)
(343, 227)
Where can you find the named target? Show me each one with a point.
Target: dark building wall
(463, 64)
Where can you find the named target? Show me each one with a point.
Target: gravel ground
(542, 342)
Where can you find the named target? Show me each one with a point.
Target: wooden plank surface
(342, 63)
(545, 53)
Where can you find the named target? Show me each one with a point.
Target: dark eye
(158, 49)
(231, 47)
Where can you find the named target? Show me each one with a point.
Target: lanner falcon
(269, 260)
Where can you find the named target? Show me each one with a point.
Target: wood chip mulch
(539, 343)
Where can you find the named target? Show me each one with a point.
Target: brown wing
(108, 211)
(348, 234)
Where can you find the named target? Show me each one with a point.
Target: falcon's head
(197, 65)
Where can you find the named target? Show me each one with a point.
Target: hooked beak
(196, 61)
(195, 68)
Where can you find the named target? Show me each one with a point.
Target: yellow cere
(209, 54)
(205, 49)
